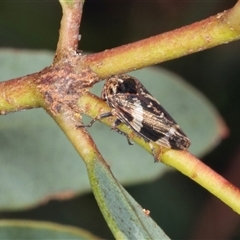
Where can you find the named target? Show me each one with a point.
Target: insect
(133, 105)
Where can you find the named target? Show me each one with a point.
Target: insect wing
(129, 110)
(149, 119)
(159, 126)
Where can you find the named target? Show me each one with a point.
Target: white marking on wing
(137, 113)
(165, 140)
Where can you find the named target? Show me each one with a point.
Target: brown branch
(23, 93)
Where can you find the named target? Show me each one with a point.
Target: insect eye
(121, 88)
(128, 86)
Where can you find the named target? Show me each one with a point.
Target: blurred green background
(215, 72)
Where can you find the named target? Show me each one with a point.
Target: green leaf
(16, 63)
(15, 229)
(38, 162)
(124, 216)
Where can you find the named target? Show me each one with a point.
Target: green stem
(69, 30)
(211, 32)
(205, 176)
(19, 93)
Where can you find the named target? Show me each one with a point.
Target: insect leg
(104, 115)
(114, 127)
(155, 155)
